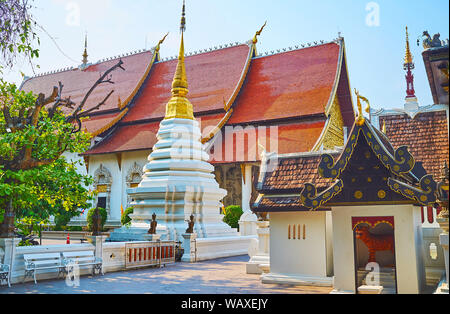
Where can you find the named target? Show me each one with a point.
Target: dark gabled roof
(391, 171)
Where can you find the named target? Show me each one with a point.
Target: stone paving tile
(221, 276)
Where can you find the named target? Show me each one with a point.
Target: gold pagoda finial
(360, 118)
(383, 128)
(408, 55)
(179, 106)
(85, 54)
(255, 39)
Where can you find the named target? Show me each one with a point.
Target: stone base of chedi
(178, 182)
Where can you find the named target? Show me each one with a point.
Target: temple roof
(230, 86)
(212, 76)
(426, 136)
(367, 171)
(77, 82)
(292, 84)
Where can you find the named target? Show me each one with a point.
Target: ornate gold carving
(334, 135)
(102, 188)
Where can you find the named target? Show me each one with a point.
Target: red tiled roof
(212, 77)
(426, 137)
(241, 144)
(129, 138)
(142, 136)
(291, 84)
(292, 173)
(77, 83)
(283, 87)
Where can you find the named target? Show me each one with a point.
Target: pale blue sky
(374, 53)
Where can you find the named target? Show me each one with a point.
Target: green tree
(232, 215)
(125, 219)
(34, 133)
(17, 31)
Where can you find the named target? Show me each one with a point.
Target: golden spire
(179, 106)
(85, 54)
(408, 55)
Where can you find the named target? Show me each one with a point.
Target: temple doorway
(374, 252)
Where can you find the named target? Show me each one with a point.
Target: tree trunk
(7, 227)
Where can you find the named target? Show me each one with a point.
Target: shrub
(90, 215)
(232, 215)
(125, 219)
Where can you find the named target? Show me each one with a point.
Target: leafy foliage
(232, 215)
(17, 34)
(126, 219)
(49, 184)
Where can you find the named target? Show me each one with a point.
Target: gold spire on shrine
(179, 106)
(408, 55)
(85, 54)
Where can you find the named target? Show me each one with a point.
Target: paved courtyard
(221, 276)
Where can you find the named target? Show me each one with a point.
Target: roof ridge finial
(360, 118)
(179, 106)
(85, 54)
(255, 38)
(408, 55)
(183, 18)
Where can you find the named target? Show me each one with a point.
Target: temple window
(102, 184)
(134, 177)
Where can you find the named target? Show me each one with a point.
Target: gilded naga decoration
(360, 118)
(255, 39)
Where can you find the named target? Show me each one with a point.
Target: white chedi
(179, 182)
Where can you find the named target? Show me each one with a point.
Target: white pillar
(247, 222)
(189, 254)
(443, 239)
(260, 260)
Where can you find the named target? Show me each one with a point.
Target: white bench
(4, 273)
(83, 258)
(35, 262)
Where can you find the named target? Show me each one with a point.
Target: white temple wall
(115, 193)
(118, 193)
(299, 257)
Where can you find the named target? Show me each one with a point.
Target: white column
(247, 222)
(443, 239)
(188, 245)
(260, 259)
